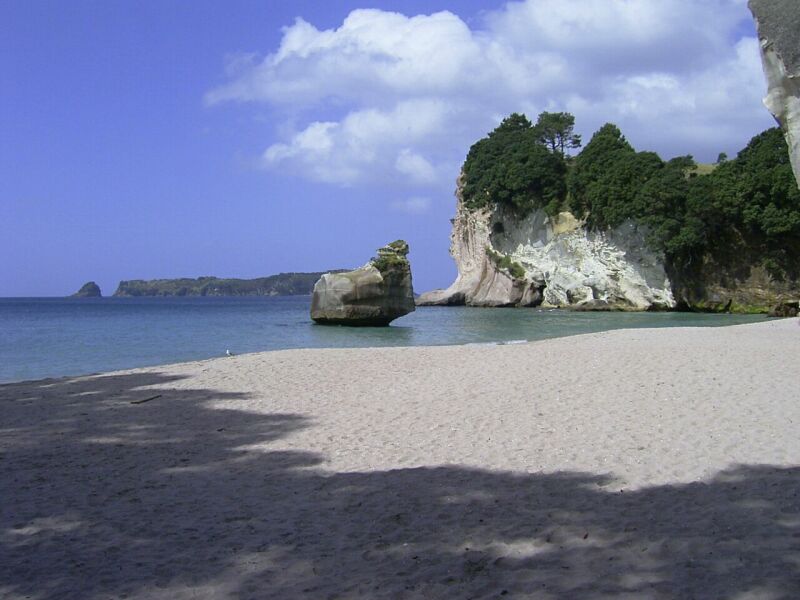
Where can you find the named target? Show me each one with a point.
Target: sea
(56, 337)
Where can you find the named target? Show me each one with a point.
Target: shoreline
(467, 343)
(641, 463)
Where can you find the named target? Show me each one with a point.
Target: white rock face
(564, 265)
(778, 23)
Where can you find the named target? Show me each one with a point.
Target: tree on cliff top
(511, 167)
(606, 177)
(556, 131)
(513, 123)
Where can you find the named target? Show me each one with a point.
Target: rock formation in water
(375, 294)
(88, 290)
(778, 23)
(549, 261)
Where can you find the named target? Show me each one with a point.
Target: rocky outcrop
(375, 294)
(550, 261)
(778, 23)
(785, 309)
(88, 290)
(740, 285)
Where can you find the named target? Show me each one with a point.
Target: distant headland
(282, 284)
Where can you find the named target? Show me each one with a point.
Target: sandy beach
(651, 463)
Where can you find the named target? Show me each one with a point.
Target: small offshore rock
(88, 290)
(373, 295)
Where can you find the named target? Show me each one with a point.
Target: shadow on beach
(105, 498)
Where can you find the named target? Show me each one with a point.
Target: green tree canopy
(746, 211)
(511, 167)
(556, 132)
(751, 204)
(606, 177)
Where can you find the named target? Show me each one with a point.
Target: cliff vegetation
(391, 257)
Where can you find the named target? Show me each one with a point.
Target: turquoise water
(52, 337)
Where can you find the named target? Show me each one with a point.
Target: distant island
(88, 290)
(283, 284)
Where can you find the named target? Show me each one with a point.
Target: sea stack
(373, 295)
(778, 23)
(88, 290)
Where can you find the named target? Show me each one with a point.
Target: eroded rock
(373, 295)
(503, 260)
(786, 309)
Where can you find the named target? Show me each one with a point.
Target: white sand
(629, 464)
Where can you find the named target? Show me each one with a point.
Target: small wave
(497, 343)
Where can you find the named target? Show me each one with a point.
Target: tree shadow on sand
(102, 498)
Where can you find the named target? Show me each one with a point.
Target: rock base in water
(374, 295)
(786, 309)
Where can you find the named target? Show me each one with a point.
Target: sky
(182, 138)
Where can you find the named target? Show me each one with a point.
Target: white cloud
(386, 97)
(363, 142)
(415, 166)
(415, 205)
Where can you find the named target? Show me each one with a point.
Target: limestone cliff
(553, 262)
(778, 23)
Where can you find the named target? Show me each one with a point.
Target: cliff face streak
(778, 23)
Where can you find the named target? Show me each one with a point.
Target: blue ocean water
(52, 337)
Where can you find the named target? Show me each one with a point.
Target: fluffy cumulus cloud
(387, 97)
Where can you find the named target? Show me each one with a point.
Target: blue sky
(240, 139)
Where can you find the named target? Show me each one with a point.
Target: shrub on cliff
(503, 261)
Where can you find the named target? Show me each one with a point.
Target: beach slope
(628, 464)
